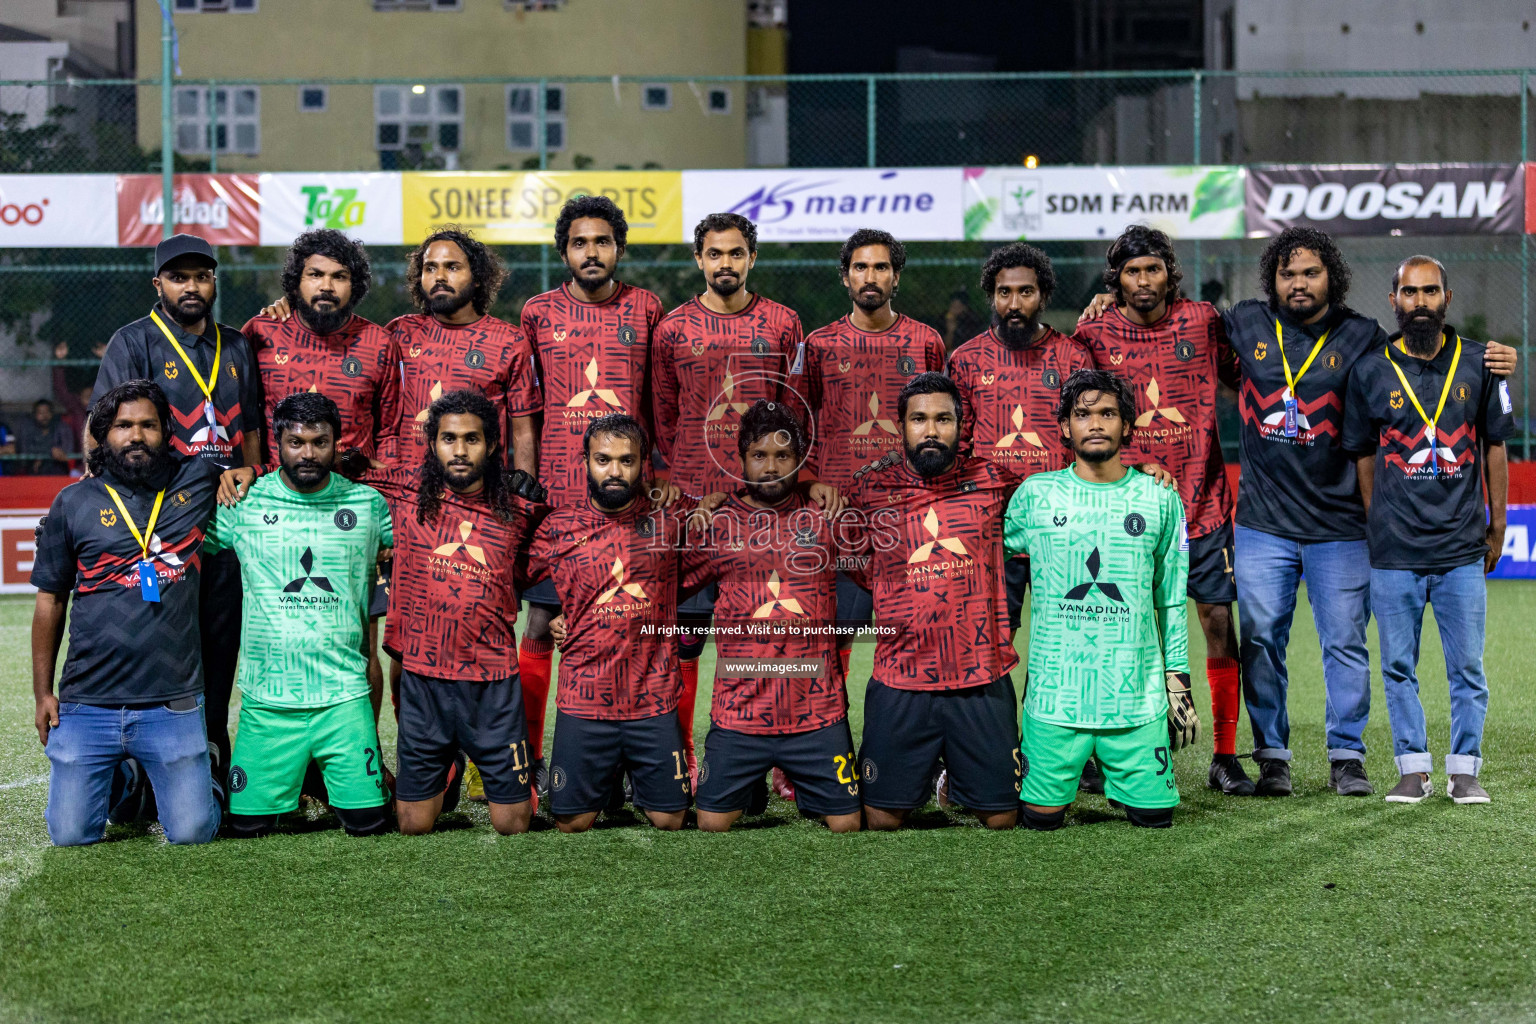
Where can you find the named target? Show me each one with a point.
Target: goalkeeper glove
(1183, 723)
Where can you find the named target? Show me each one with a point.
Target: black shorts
(378, 599)
(1210, 567)
(1016, 580)
(440, 717)
(855, 605)
(975, 731)
(543, 593)
(819, 763)
(590, 753)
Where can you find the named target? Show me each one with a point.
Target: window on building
(216, 5)
(655, 97)
(314, 98)
(413, 120)
(236, 119)
(533, 5)
(523, 118)
(418, 5)
(718, 101)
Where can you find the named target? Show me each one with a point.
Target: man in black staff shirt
(211, 382)
(124, 543)
(1298, 507)
(1426, 421)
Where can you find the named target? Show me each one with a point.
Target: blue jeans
(90, 742)
(1268, 570)
(1460, 599)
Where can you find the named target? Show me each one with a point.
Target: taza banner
(49, 210)
(521, 207)
(1387, 199)
(1062, 203)
(829, 204)
(363, 206)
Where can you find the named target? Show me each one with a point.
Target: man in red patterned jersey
(460, 531)
(931, 531)
(772, 555)
(325, 347)
(712, 357)
(591, 340)
(615, 567)
(1174, 352)
(853, 370)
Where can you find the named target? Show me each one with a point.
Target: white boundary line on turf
(23, 783)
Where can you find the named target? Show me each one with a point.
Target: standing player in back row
(591, 340)
(1173, 352)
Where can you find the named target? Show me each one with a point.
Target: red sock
(845, 656)
(1226, 699)
(685, 703)
(533, 661)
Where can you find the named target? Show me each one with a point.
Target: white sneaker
(1410, 789)
(941, 789)
(1464, 789)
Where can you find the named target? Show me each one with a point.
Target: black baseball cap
(182, 245)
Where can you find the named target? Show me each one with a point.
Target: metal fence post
(213, 168)
(1195, 89)
(869, 129)
(1525, 276)
(167, 129)
(542, 102)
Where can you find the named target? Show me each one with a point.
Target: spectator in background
(48, 438)
(74, 397)
(7, 447)
(960, 323)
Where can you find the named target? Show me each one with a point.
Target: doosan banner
(829, 204)
(1013, 203)
(1387, 199)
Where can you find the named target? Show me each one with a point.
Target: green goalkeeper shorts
(1138, 766)
(275, 745)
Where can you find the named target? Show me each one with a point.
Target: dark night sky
(830, 36)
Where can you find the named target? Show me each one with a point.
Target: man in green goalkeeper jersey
(308, 541)
(1108, 636)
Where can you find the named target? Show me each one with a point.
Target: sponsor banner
(830, 204)
(1387, 199)
(1519, 559)
(364, 206)
(58, 210)
(17, 548)
(513, 207)
(1099, 202)
(1530, 199)
(223, 208)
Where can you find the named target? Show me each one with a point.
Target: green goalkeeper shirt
(306, 564)
(1108, 569)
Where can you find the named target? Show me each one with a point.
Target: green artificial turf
(1309, 908)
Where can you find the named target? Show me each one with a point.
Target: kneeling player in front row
(308, 542)
(772, 553)
(460, 529)
(1108, 634)
(615, 566)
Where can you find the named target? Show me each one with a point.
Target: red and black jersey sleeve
(1174, 367)
(1011, 396)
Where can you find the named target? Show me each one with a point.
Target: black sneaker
(1348, 778)
(130, 786)
(540, 778)
(1274, 777)
(455, 787)
(1092, 780)
(1227, 775)
(757, 799)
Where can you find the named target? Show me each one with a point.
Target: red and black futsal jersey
(357, 367)
(1427, 510)
(1299, 485)
(617, 578)
(453, 597)
(709, 368)
(777, 577)
(1175, 367)
(122, 648)
(210, 381)
(932, 555)
(489, 355)
(851, 379)
(1011, 396)
(591, 359)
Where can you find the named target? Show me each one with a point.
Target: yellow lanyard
(1290, 384)
(1444, 391)
(218, 348)
(149, 527)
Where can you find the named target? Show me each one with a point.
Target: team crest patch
(237, 779)
(1184, 351)
(108, 517)
(806, 538)
(1051, 378)
(627, 335)
(346, 519)
(352, 366)
(1462, 392)
(557, 778)
(234, 372)
(474, 359)
(967, 487)
(759, 346)
(703, 771)
(1395, 400)
(170, 369)
(645, 528)
(1135, 524)
(869, 771)
(907, 366)
(182, 497)
(1333, 361)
